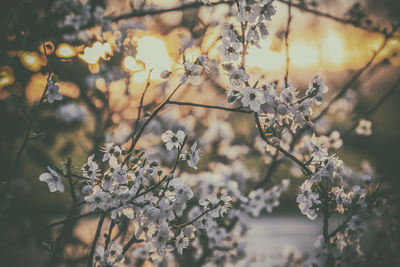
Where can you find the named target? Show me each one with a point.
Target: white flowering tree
(166, 181)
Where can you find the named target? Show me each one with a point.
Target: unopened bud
(165, 74)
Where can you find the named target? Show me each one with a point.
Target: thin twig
(108, 238)
(373, 109)
(179, 103)
(279, 148)
(355, 77)
(141, 105)
(66, 230)
(289, 20)
(45, 227)
(301, 7)
(32, 119)
(96, 238)
(152, 116)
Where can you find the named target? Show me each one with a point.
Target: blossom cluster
(167, 214)
(279, 107)
(132, 186)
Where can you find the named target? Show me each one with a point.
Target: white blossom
(53, 180)
(53, 93)
(364, 127)
(172, 139)
(307, 200)
(252, 98)
(230, 50)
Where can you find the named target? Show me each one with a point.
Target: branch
(42, 228)
(279, 148)
(108, 238)
(374, 108)
(340, 227)
(96, 238)
(151, 12)
(141, 104)
(356, 75)
(289, 20)
(4, 187)
(198, 217)
(152, 116)
(131, 241)
(67, 228)
(170, 176)
(239, 109)
(334, 18)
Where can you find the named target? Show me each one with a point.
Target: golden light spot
(6, 76)
(30, 60)
(35, 87)
(303, 55)
(69, 89)
(38, 82)
(101, 85)
(49, 48)
(333, 51)
(191, 54)
(94, 68)
(265, 58)
(153, 52)
(92, 55)
(130, 64)
(65, 51)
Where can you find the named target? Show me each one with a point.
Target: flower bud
(318, 97)
(87, 190)
(282, 109)
(165, 74)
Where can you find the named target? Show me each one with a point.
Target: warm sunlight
(6, 76)
(98, 50)
(65, 51)
(153, 52)
(265, 58)
(30, 60)
(303, 54)
(333, 50)
(130, 64)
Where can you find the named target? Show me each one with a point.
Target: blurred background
(349, 43)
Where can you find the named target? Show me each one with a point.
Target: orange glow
(101, 85)
(265, 58)
(65, 51)
(154, 54)
(131, 65)
(333, 50)
(49, 48)
(303, 54)
(30, 60)
(35, 87)
(192, 54)
(6, 76)
(38, 82)
(69, 89)
(328, 50)
(92, 54)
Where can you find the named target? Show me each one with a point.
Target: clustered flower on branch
(169, 213)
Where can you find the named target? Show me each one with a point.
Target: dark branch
(239, 109)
